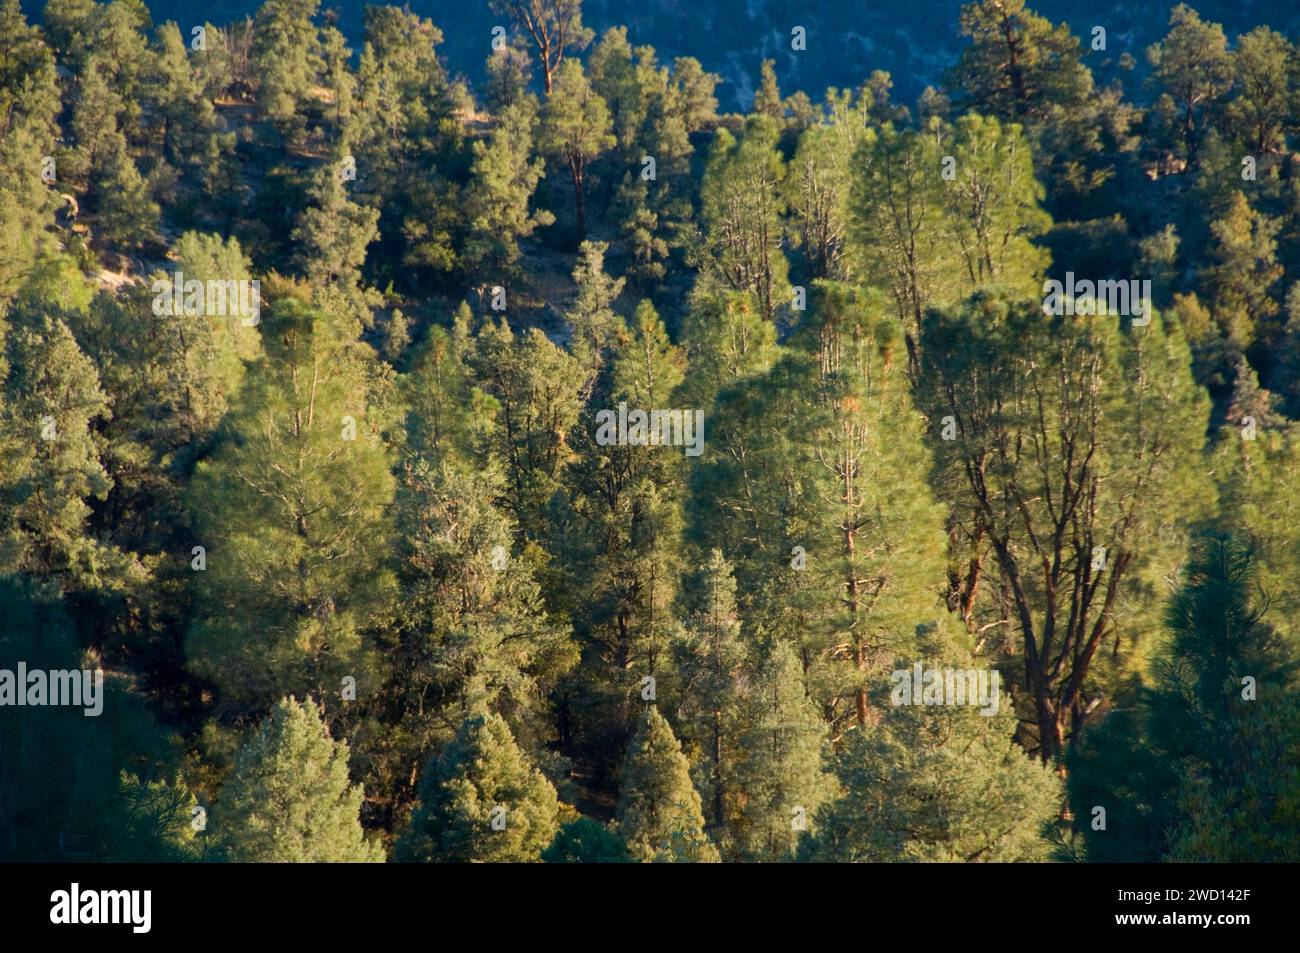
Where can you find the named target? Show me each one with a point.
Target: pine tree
(288, 799)
(290, 509)
(992, 207)
(810, 483)
(397, 336)
(505, 176)
(481, 801)
(508, 72)
(1255, 480)
(575, 130)
(187, 117)
(29, 105)
(895, 231)
(779, 775)
(711, 663)
(1019, 65)
(817, 185)
(445, 411)
(741, 210)
(406, 139)
(212, 354)
(726, 341)
(1193, 68)
(51, 405)
(626, 504)
(286, 60)
(1178, 777)
(77, 788)
(695, 93)
(128, 216)
(1242, 271)
(615, 78)
(536, 386)
(1253, 817)
(1256, 116)
(941, 784)
(641, 233)
(767, 99)
(585, 841)
(476, 631)
(332, 237)
(1001, 379)
(555, 27)
(659, 813)
(595, 325)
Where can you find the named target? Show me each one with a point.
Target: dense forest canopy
(913, 42)
(541, 461)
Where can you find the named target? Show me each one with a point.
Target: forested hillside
(541, 461)
(914, 42)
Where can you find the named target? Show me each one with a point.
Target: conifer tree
(128, 216)
(188, 120)
(286, 60)
(711, 663)
(445, 410)
(896, 220)
(536, 386)
(505, 174)
(615, 77)
(596, 326)
(77, 788)
(810, 483)
(817, 187)
(767, 99)
(695, 92)
(29, 105)
(1255, 481)
(212, 353)
(575, 130)
(659, 813)
(1019, 65)
(742, 206)
(1252, 817)
(626, 506)
(332, 237)
(291, 512)
(939, 783)
(476, 633)
(641, 234)
(405, 139)
(555, 28)
(1194, 71)
(779, 772)
(508, 71)
(481, 801)
(1206, 748)
(585, 841)
(1256, 116)
(726, 341)
(1243, 269)
(50, 408)
(992, 207)
(288, 798)
(1090, 504)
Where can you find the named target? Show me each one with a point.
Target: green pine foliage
(288, 798)
(1205, 770)
(481, 801)
(290, 511)
(659, 813)
(395, 485)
